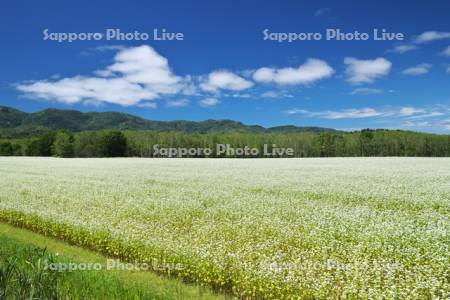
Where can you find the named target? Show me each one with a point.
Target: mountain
(11, 117)
(14, 122)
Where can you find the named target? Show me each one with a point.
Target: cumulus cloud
(402, 49)
(366, 91)
(81, 89)
(417, 70)
(209, 102)
(224, 80)
(177, 103)
(366, 71)
(137, 74)
(429, 36)
(312, 70)
(423, 38)
(145, 66)
(264, 75)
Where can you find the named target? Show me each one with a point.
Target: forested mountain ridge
(15, 123)
(69, 133)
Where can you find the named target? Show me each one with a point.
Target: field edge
(100, 244)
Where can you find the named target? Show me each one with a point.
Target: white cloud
(276, 94)
(209, 102)
(446, 51)
(439, 124)
(147, 105)
(408, 112)
(225, 80)
(137, 74)
(322, 11)
(340, 114)
(429, 36)
(177, 103)
(295, 111)
(311, 71)
(271, 94)
(417, 70)
(445, 124)
(264, 75)
(402, 48)
(427, 114)
(104, 73)
(408, 123)
(80, 89)
(145, 66)
(366, 71)
(366, 91)
(189, 88)
(448, 69)
(348, 114)
(244, 95)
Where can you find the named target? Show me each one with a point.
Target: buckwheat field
(356, 228)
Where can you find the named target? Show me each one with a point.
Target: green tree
(41, 146)
(86, 144)
(327, 144)
(17, 149)
(63, 145)
(366, 137)
(112, 144)
(6, 149)
(33, 148)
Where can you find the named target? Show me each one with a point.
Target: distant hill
(17, 123)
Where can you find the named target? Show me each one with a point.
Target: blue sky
(224, 68)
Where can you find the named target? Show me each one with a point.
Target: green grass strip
(112, 284)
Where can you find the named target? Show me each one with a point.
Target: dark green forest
(75, 134)
(113, 143)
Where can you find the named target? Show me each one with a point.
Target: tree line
(115, 143)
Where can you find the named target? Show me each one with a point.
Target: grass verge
(24, 273)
